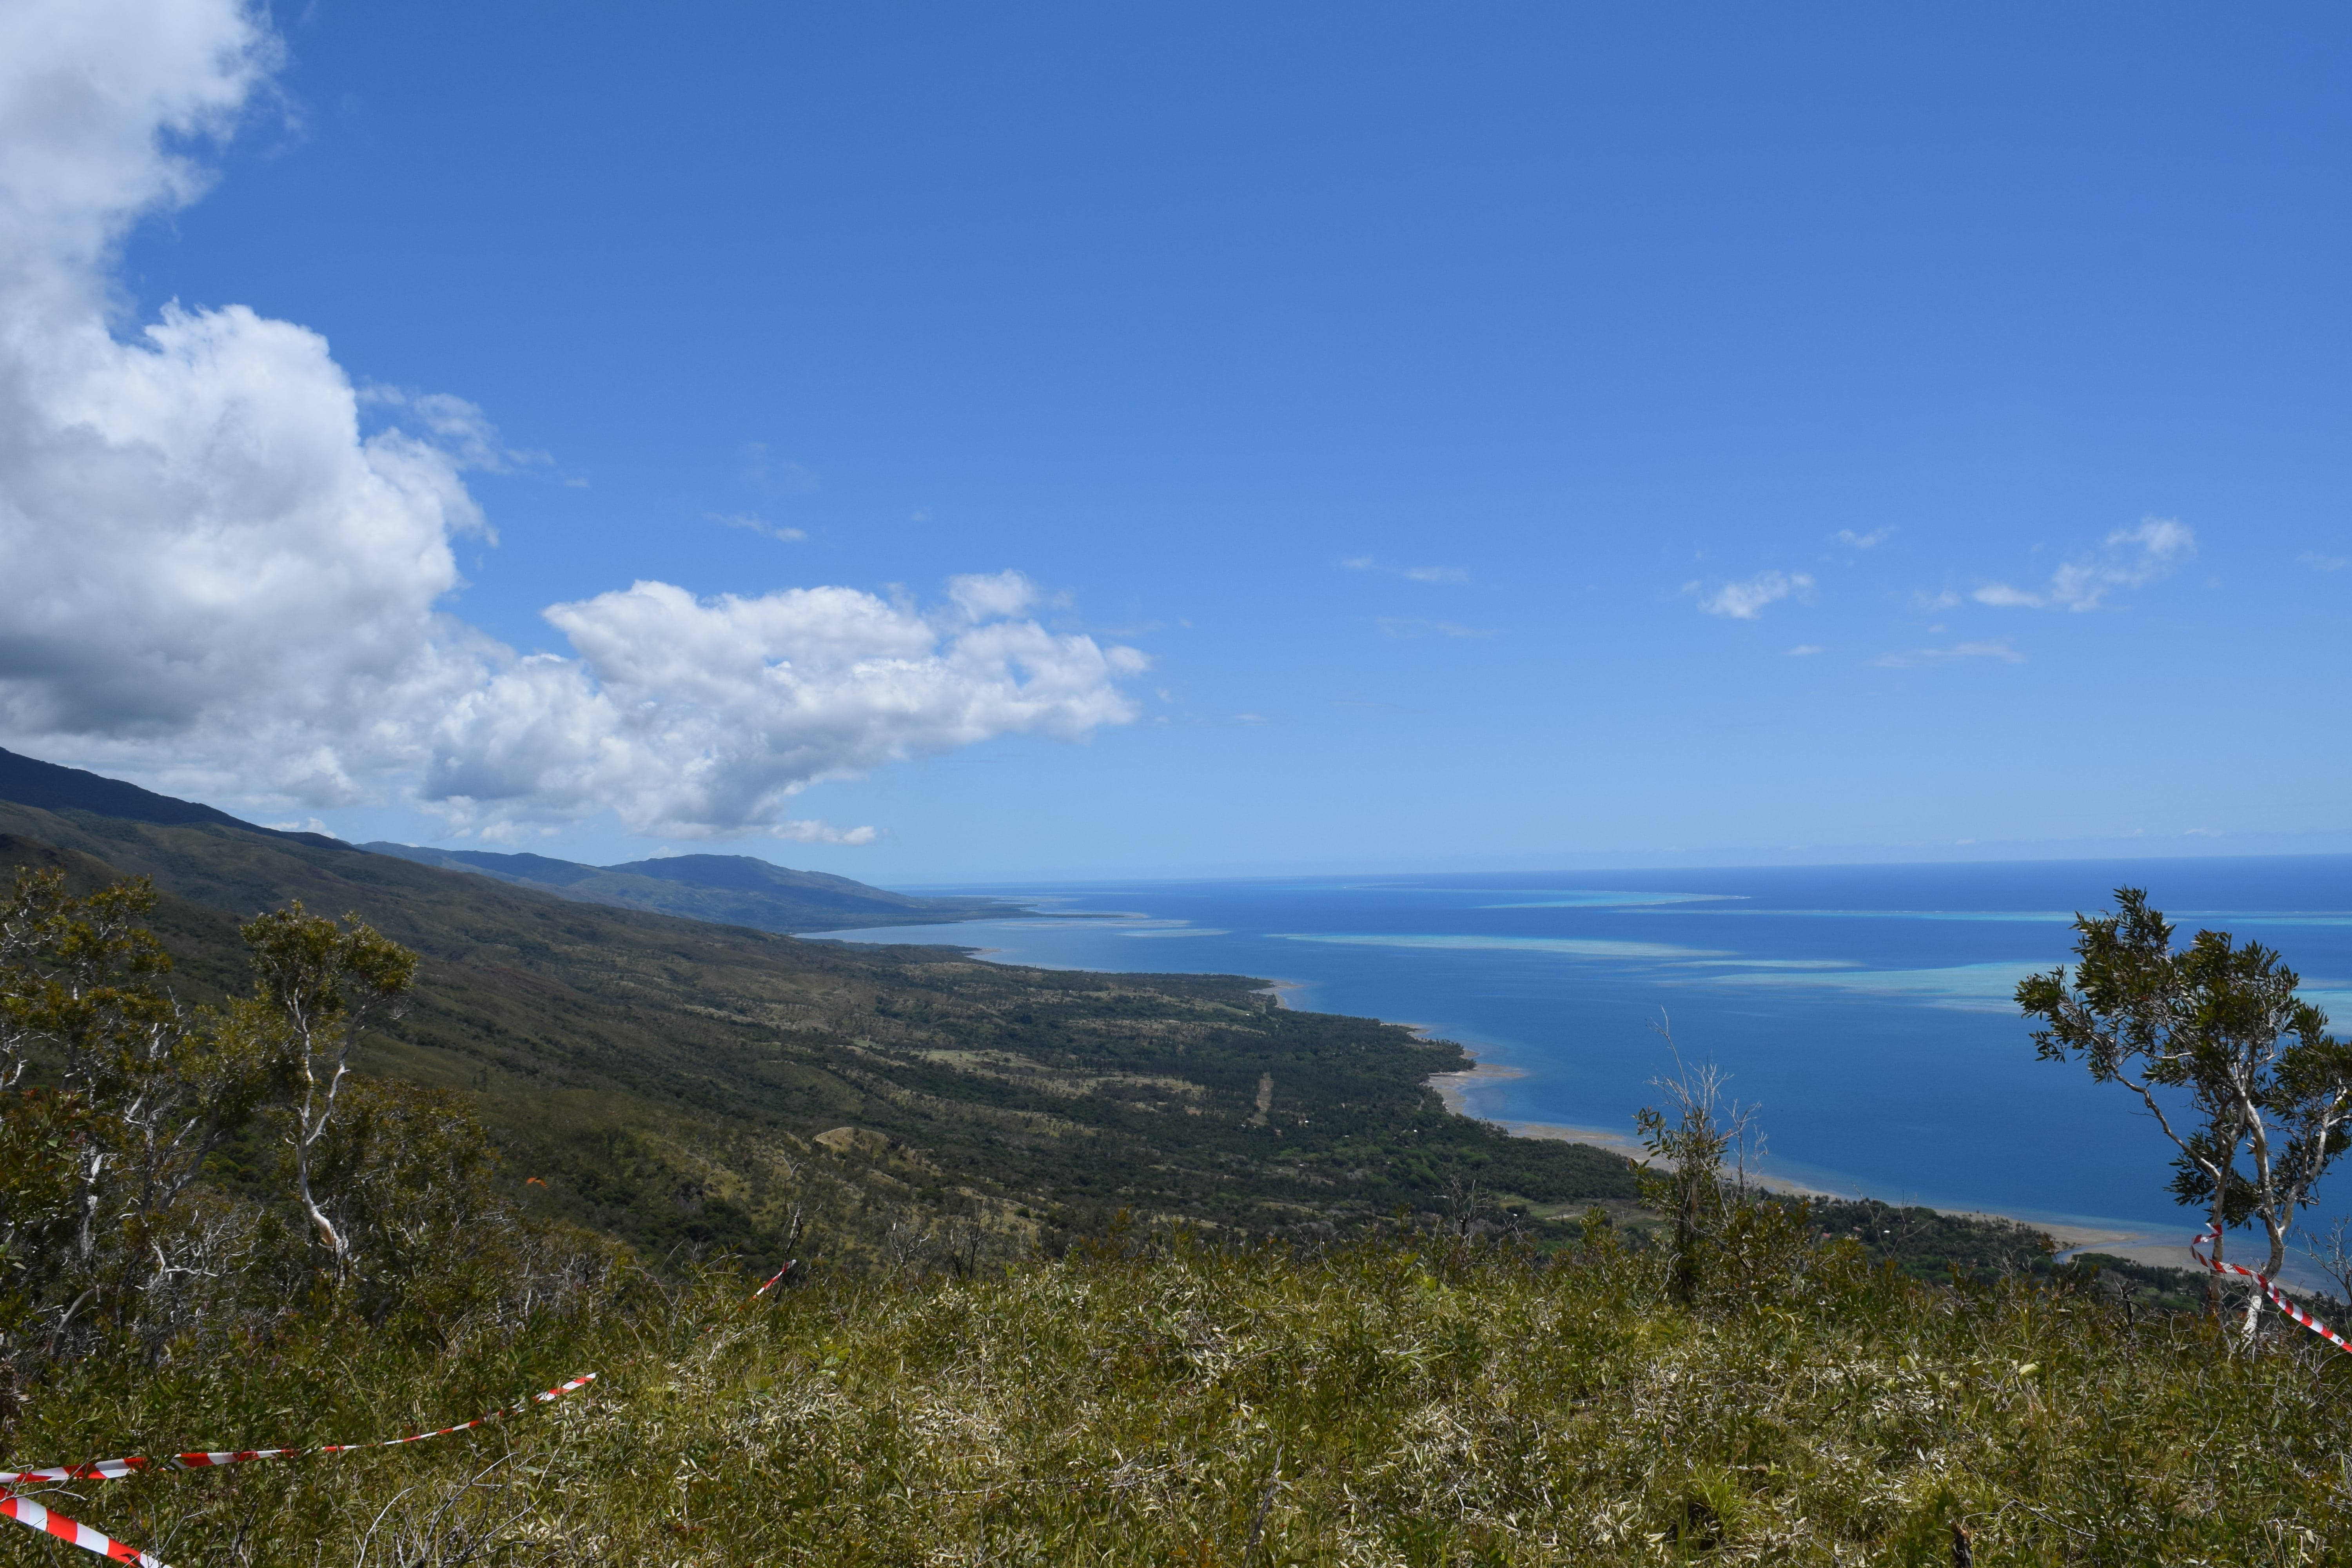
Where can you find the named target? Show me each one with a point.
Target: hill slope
(32, 782)
(731, 890)
(668, 1080)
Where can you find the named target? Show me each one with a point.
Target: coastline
(1280, 991)
(2163, 1247)
(2139, 1246)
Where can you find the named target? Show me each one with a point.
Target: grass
(1412, 1399)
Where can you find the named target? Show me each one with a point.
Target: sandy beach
(1280, 991)
(2139, 1246)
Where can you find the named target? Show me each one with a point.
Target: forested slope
(668, 1080)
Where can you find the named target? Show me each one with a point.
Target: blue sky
(1514, 435)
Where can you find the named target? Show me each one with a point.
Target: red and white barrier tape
(33, 1516)
(2278, 1297)
(116, 1470)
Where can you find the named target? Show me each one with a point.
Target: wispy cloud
(1875, 537)
(2318, 562)
(763, 470)
(459, 430)
(1413, 626)
(1933, 604)
(1410, 574)
(1802, 650)
(1744, 600)
(1918, 657)
(2131, 558)
(800, 832)
(754, 523)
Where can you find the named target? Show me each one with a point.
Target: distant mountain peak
(731, 890)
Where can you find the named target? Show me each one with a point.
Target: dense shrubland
(1734, 1383)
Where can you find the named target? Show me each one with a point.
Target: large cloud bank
(215, 581)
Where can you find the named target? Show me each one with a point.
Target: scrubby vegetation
(1410, 1399)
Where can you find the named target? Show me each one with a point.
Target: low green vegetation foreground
(1415, 1399)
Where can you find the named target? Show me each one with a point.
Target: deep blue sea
(1867, 1009)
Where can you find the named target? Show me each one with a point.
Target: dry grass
(1414, 1402)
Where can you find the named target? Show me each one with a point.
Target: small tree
(317, 986)
(96, 1164)
(1706, 1133)
(2238, 1072)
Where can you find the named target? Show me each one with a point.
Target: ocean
(1865, 1009)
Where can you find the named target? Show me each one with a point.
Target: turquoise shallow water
(1866, 1008)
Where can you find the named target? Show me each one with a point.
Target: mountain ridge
(727, 890)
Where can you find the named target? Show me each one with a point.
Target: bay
(1865, 1008)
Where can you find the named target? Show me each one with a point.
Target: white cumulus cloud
(2129, 558)
(692, 717)
(1746, 600)
(219, 583)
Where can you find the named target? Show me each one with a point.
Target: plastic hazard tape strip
(33, 1516)
(2278, 1297)
(116, 1470)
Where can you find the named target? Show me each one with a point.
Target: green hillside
(671, 1082)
